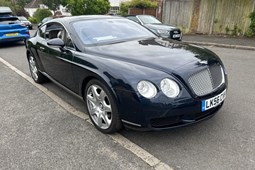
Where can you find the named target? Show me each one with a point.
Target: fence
(138, 11)
(208, 16)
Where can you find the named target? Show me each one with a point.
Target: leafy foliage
(22, 3)
(124, 8)
(251, 30)
(22, 12)
(17, 6)
(54, 4)
(32, 20)
(88, 7)
(40, 14)
(142, 4)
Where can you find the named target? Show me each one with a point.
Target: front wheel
(37, 76)
(102, 107)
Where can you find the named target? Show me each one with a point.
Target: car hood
(161, 54)
(160, 26)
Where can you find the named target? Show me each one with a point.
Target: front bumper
(159, 114)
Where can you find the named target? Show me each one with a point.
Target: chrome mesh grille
(216, 74)
(207, 80)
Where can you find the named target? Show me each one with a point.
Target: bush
(40, 14)
(124, 8)
(142, 4)
(251, 30)
(32, 20)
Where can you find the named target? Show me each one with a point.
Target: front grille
(207, 80)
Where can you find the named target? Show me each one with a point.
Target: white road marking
(124, 142)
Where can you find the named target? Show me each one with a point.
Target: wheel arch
(105, 80)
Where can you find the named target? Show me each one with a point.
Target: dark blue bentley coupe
(126, 74)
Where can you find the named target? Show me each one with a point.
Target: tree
(54, 4)
(22, 3)
(17, 6)
(41, 13)
(88, 7)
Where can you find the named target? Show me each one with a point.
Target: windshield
(146, 19)
(22, 19)
(109, 30)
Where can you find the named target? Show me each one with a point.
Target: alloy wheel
(33, 68)
(99, 106)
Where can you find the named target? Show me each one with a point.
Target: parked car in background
(5, 11)
(126, 74)
(163, 30)
(27, 23)
(11, 29)
(50, 18)
(45, 20)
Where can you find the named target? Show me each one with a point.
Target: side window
(54, 30)
(42, 31)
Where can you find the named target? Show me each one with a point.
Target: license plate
(176, 35)
(214, 101)
(11, 34)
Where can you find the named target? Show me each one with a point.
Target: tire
(37, 76)
(101, 107)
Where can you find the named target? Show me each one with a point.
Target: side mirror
(39, 24)
(57, 42)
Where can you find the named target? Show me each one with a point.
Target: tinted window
(109, 30)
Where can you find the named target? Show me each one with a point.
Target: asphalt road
(38, 134)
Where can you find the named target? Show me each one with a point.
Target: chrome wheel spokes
(33, 68)
(99, 106)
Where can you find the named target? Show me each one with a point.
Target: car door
(41, 46)
(58, 62)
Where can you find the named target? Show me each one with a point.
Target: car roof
(138, 15)
(5, 10)
(83, 17)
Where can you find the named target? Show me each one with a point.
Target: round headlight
(170, 88)
(146, 89)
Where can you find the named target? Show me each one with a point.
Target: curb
(221, 45)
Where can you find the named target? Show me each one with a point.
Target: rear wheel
(102, 107)
(37, 76)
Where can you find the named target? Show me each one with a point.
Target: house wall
(208, 16)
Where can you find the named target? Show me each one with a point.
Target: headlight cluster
(163, 31)
(170, 88)
(148, 90)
